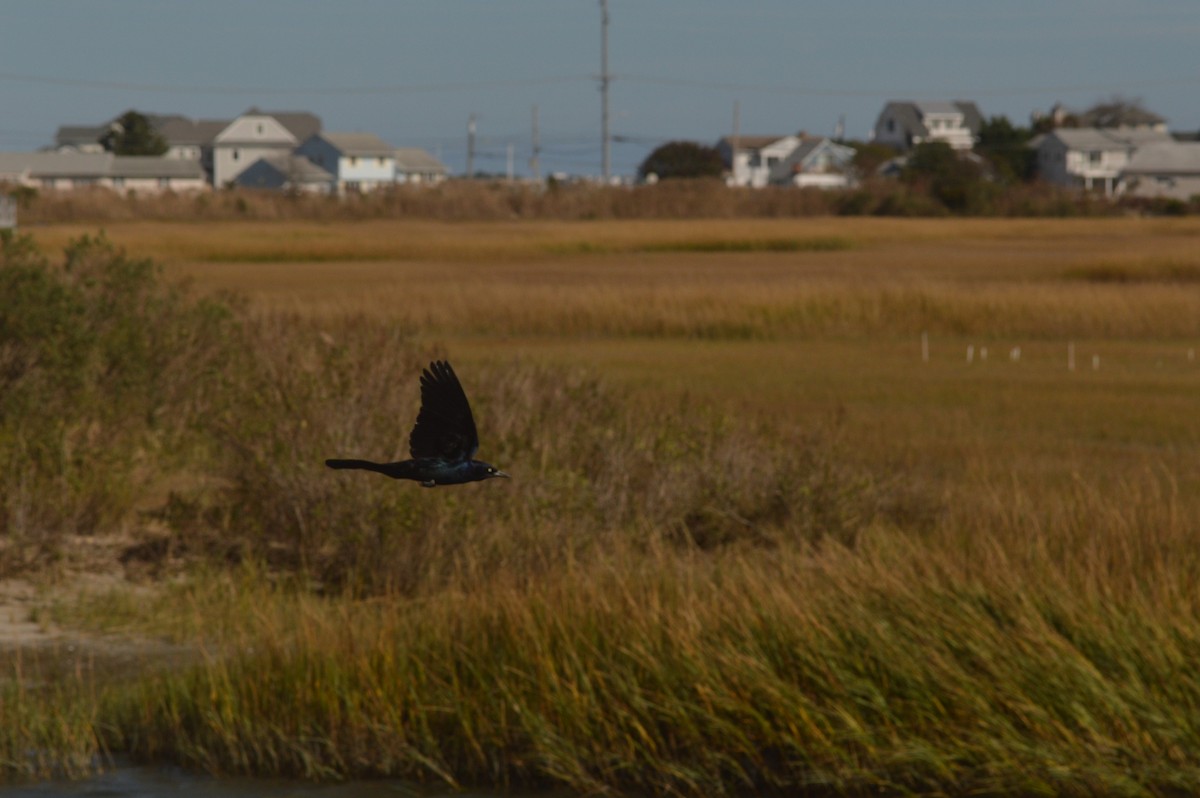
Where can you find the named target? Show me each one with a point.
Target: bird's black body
(443, 442)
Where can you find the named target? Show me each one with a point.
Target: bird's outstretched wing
(445, 428)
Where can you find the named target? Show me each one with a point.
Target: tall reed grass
(1038, 644)
(670, 599)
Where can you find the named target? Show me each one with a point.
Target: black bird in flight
(443, 442)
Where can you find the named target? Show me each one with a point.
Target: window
(354, 160)
(1095, 156)
(891, 125)
(236, 155)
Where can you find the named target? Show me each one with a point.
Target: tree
(1006, 148)
(869, 156)
(682, 159)
(133, 134)
(951, 178)
(1117, 111)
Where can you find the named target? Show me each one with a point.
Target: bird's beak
(500, 473)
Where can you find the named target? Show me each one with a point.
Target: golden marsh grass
(756, 543)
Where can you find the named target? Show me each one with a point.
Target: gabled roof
(289, 168)
(181, 130)
(415, 159)
(1114, 138)
(359, 144)
(1166, 158)
(300, 124)
(752, 142)
(911, 113)
(71, 135)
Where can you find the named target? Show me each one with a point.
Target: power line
(410, 88)
(661, 80)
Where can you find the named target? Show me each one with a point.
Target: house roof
(1167, 157)
(415, 159)
(95, 165)
(141, 166)
(299, 168)
(181, 130)
(56, 164)
(911, 113)
(69, 135)
(300, 124)
(752, 142)
(1115, 138)
(360, 144)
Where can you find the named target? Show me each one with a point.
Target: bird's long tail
(366, 465)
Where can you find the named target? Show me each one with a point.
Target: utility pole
(605, 78)
(534, 168)
(509, 171)
(470, 146)
(735, 142)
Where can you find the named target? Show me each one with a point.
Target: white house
(793, 160)
(1169, 169)
(752, 160)
(243, 141)
(141, 174)
(817, 162)
(905, 124)
(357, 161)
(415, 165)
(1091, 158)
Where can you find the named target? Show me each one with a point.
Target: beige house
(417, 166)
(126, 173)
(248, 138)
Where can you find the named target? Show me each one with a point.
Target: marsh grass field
(756, 543)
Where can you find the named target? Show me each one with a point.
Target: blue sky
(412, 72)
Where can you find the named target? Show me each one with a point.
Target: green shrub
(104, 373)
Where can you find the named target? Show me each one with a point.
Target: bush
(117, 390)
(104, 373)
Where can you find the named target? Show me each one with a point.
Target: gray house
(905, 124)
(1169, 169)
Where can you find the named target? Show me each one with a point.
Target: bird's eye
(491, 471)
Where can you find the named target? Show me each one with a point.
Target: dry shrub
(104, 374)
(592, 470)
(491, 200)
